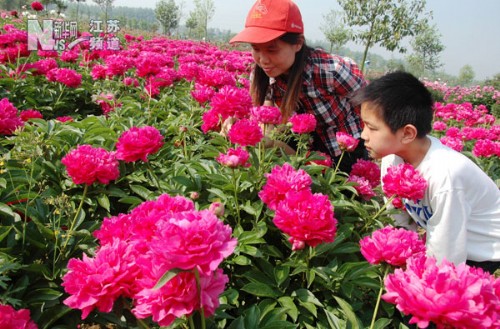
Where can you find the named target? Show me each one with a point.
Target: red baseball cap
(270, 19)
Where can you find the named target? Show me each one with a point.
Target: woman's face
(275, 57)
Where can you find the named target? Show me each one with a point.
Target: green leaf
(305, 295)
(252, 316)
(260, 290)
(141, 191)
(281, 273)
(382, 323)
(103, 201)
(349, 313)
(279, 325)
(169, 275)
(291, 309)
(333, 320)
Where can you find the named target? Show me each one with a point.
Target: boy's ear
(409, 134)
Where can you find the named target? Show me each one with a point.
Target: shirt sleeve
(347, 77)
(447, 228)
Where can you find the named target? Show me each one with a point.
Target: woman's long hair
(260, 81)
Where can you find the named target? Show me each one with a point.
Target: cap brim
(254, 34)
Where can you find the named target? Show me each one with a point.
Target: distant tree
(394, 65)
(495, 81)
(466, 75)
(334, 30)
(204, 11)
(105, 6)
(384, 22)
(167, 13)
(427, 47)
(191, 23)
(77, 7)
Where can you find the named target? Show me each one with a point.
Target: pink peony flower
(404, 181)
(447, 295)
(391, 245)
(453, 143)
(326, 161)
(234, 158)
(367, 169)
(179, 297)
(486, 148)
(137, 143)
(266, 114)
(30, 114)
(280, 181)
(303, 123)
(86, 164)
(37, 6)
(192, 239)
(66, 118)
(9, 121)
(362, 186)
(99, 281)
(12, 319)
(306, 217)
(106, 101)
(346, 142)
(211, 121)
(439, 126)
(245, 132)
(202, 94)
(231, 102)
(217, 208)
(129, 81)
(67, 77)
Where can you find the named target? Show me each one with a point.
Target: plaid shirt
(328, 81)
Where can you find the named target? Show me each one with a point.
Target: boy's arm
(447, 228)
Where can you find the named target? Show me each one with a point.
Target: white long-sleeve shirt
(460, 209)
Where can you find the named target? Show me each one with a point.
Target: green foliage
(384, 23)
(168, 13)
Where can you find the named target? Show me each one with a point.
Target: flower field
(123, 206)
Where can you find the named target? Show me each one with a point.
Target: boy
(460, 210)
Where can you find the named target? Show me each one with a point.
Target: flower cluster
(306, 217)
(10, 318)
(447, 295)
(391, 245)
(67, 77)
(138, 249)
(137, 143)
(266, 114)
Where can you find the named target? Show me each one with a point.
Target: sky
(470, 29)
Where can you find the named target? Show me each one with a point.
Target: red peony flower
(137, 143)
(303, 123)
(391, 245)
(280, 181)
(449, 296)
(346, 142)
(266, 114)
(307, 218)
(9, 121)
(245, 132)
(30, 114)
(12, 319)
(362, 186)
(67, 77)
(231, 102)
(86, 164)
(367, 169)
(192, 239)
(404, 181)
(99, 281)
(37, 6)
(234, 158)
(211, 121)
(66, 118)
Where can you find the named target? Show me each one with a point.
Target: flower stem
(73, 222)
(375, 311)
(198, 286)
(338, 164)
(237, 205)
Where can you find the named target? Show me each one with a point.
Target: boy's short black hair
(401, 99)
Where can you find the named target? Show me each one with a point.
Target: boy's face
(379, 139)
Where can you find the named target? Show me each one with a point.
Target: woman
(300, 79)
